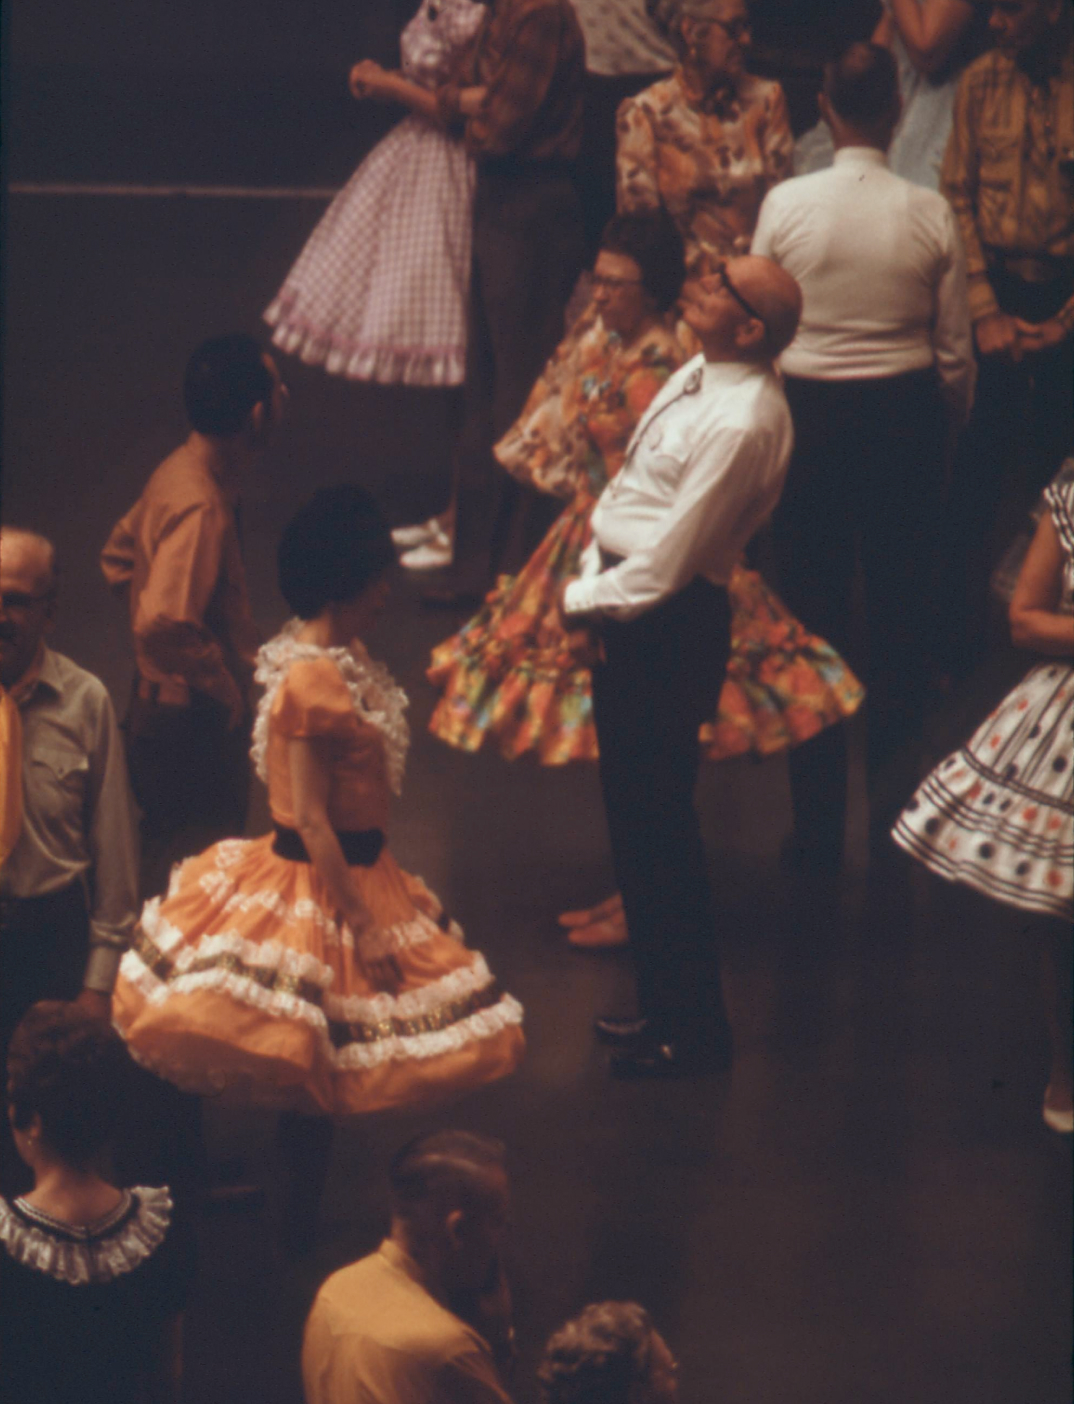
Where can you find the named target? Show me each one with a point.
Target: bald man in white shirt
(703, 471)
(882, 367)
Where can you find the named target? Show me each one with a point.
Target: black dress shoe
(651, 1059)
(618, 1031)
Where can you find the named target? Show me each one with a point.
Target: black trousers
(864, 485)
(191, 778)
(44, 944)
(528, 250)
(660, 680)
(1021, 429)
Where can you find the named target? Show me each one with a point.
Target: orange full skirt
(243, 980)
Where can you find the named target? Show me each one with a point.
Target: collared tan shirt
(177, 550)
(376, 1334)
(77, 819)
(1009, 170)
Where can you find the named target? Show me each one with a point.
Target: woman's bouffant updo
(599, 1357)
(668, 16)
(332, 548)
(70, 1069)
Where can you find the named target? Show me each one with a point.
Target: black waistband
(361, 847)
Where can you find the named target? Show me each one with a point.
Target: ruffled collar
(95, 1253)
(375, 695)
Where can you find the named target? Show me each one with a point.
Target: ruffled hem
(784, 685)
(386, 365)
(98, 1253)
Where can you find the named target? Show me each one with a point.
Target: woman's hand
(368, 79)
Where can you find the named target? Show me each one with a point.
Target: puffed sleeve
(313, 700)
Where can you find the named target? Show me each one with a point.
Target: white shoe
(432, 555)
(407, 536)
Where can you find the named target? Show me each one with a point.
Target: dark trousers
(864, 485)
(191, 778)
(528, 251)
(660, 680)
(44, 944)
(1021, 429)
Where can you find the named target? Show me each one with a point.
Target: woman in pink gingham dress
(380, 290)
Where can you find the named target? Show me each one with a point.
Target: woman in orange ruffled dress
(508, 673)
(305, 969)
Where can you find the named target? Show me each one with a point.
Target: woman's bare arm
(310, 785)
(1035, 619)
(369, 80)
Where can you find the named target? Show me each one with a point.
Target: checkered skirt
(380, 290)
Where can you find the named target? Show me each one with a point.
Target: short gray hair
(668, 16)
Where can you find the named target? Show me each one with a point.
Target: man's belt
(361, 847)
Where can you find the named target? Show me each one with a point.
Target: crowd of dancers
(873, 355)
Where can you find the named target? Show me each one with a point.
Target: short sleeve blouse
(313, 702)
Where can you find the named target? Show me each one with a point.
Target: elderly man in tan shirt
(425, 1317)
(176, 553)
(69, 884)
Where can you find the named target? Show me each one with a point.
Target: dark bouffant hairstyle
(652, 239)
(598, 1357)
(72, 1070)
(225, 377)
(441, 1171)
(862, 84)
(332, 548)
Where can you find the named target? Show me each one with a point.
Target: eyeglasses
(720, 271)
(735, 29)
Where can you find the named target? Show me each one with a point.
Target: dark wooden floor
(867, 1211)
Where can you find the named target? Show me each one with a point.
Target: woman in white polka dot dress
(998, 815)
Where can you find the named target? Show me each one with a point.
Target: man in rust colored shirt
(528, 246)
(176, 554)
(1009, 175)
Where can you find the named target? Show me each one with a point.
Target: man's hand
(1040, 336)
(369, 80)
(998, 335)
(96, 1003)
(583, 642)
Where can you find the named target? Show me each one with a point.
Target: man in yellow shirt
(426, 1317)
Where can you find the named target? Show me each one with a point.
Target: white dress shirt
(77, 814)
(704, 469)
(882, 272)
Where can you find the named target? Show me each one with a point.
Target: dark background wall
(244, 93)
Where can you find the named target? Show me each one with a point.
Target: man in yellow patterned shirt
(1008, 174)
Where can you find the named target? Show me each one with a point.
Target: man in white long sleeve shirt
(703, 471)
(881, 370)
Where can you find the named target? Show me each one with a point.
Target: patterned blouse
(573, 431)
(710, 162)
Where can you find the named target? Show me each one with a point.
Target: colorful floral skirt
(998, 815)
(508, 672)
(243, 980)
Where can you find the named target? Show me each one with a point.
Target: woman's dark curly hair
(332, 548)
(652, 239)
(599, 1356)
(72, 1070)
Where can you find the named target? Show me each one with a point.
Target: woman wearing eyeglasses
(708, 142)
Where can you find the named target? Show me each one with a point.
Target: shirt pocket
(63, 766)
(998, 157)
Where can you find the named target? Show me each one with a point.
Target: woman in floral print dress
(708, 142)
